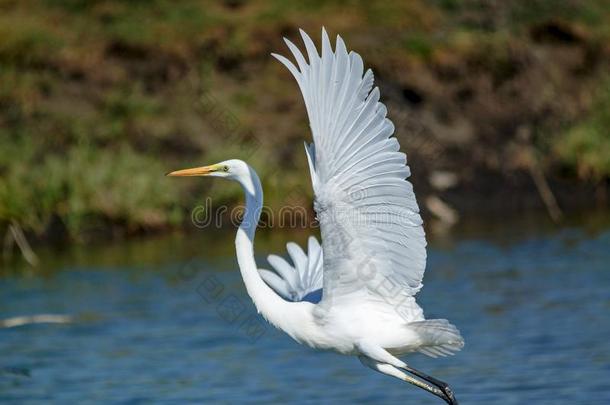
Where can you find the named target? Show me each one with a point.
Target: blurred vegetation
(585, 146)
(98, 99)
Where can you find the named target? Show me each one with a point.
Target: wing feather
(372, 234)
(301, 280)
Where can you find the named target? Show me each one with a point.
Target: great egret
(373, 253)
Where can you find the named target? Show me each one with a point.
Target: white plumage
(300, 281)
(373, 253)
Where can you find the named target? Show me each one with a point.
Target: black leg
(443, 386)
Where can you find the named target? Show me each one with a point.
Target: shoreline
(192, 241)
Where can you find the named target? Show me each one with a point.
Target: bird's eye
(225, 168)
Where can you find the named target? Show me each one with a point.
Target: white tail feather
(438, 337)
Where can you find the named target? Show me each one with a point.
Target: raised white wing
(301, 282)
(372, 235)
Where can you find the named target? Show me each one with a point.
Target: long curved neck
(276, 310)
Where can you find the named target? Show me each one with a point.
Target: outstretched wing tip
(279, 57)
(304, 35)
(325, 37)
(288, 42)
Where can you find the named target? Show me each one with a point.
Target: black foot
(450, 397)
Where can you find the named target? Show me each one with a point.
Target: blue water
(535, 313)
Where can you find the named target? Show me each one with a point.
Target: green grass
(85, 186)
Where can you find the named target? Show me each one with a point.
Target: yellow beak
(196, 171)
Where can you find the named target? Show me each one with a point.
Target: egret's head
(233, 169)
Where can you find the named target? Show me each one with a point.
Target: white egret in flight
(355, 293)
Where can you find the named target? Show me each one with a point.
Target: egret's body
(355, 293)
